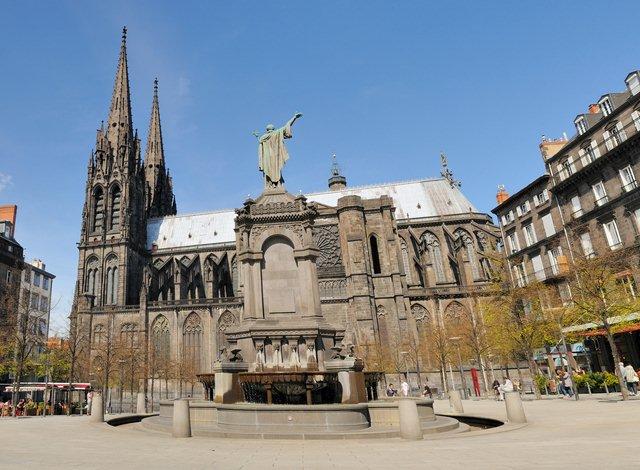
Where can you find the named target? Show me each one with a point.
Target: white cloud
(5, 180)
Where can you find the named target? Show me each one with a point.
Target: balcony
(630, 186)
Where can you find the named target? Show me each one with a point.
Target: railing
(602, 149)
(205, 301)
(602, 201)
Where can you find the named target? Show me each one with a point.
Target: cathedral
(282, 278)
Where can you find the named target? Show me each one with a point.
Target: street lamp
(463, 381)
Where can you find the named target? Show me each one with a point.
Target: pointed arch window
(470, 251)
(129, 335)
(99, 334)
(434, 254)
(115, 207)
(161, 341)
(112, 275)
(375, 254)
(91, 279)
(98, 209)
(192, 341)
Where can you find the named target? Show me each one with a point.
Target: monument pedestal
(227, 388)
(350, 377)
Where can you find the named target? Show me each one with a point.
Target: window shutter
(596, 149)
(623, 134)
(607, 140)
(635, 116)
(583, 159)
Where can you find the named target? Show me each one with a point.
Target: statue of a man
(272, 154)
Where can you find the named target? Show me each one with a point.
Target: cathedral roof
(413, 200)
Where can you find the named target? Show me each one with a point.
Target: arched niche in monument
(280, 286)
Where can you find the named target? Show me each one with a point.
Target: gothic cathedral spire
(120, 124)
(160, 198)
(113, 238)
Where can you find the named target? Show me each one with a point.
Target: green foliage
(541, 382)
(596, 380)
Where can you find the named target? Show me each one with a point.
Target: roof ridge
(377, 185)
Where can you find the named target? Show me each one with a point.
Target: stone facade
(349, 265)
(593, 203)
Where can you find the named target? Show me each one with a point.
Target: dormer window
(581, 125)
(605, 106)
(633, 83)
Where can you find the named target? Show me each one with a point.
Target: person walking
(404, 386)
(567, 384)
(631, 377)
(391, 392)
(496, 389)
(507, 386)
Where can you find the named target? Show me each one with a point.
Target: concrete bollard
(181, 418)
(455, 401)
(515, 410)
(141, 403)
(409, 419)
(97, 412)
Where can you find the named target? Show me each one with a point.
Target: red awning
(602, 332)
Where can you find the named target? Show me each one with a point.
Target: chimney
(502, 194)
(8, 212)
(549, 147)
(594, 108)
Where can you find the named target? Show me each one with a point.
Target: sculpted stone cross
(272, 153)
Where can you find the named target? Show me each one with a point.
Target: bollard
(181, 418)
(409, 420)
(515, 410)
(97, 412)
(141, 403)
(455, 401)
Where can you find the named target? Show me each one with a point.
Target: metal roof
(204, 228)
(412, 199)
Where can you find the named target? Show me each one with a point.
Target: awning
(603, 332)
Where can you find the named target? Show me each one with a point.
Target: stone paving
(589, 434)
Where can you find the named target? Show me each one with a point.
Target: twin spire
(120, 132)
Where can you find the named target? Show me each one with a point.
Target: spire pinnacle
(155, 149)
(446, 172)
(160, 201)
(336, 180)
(119, 124)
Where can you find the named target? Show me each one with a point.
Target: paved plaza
(591, 433)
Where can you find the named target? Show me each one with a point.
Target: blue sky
(386, 85)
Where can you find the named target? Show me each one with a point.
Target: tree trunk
(616, 362)
(533, 372)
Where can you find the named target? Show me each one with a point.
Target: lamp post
(463, 381)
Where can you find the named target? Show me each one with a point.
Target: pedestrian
(507, 386)
(560, 383)
(496, 389)
(567, 384)
(391, 392)
(427, 392)
(404, 386)
(631, 377)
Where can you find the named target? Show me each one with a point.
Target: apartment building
(36, 290)
(590, 205)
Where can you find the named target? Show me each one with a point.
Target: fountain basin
(290, 388)
(290, 419)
